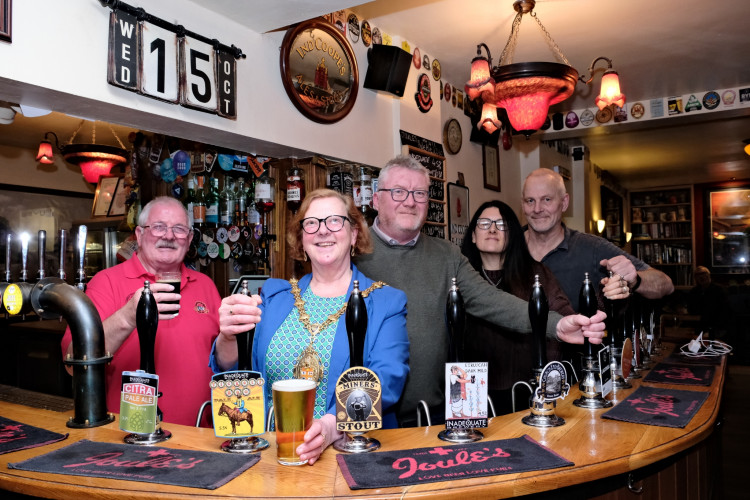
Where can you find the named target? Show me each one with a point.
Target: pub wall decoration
(319, 71)
(157, 59)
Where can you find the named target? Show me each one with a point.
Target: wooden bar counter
(604, 451)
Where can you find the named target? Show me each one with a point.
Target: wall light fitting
(610, 90)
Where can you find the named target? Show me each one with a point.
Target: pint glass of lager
(293, 402)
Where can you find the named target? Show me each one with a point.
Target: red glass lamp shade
(95, 160)
(527, 90)
(45, 154)
(610, 93)
(480, 79)
(489, 119)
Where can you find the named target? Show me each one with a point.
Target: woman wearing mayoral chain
(302, 333)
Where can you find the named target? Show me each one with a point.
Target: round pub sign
(319, 71)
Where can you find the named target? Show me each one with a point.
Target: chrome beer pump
(81, 274)
(51, 298)
(591, 392)
(4, 284)
(146, 323)
(359, 404)
(455, 315)
(549, 381)
(250, 444)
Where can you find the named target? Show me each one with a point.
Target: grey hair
(402, 161)
(159, 200)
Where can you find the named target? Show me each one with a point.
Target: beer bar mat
(674, 373)
(16, 436)
(655, 406)
(194, 469)
(445, 463)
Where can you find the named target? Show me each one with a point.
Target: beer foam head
(293, 385)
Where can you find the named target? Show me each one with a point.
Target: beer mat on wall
(16, 436)
(680, 373)
(445, 463)
(194, 469)
(656, 406)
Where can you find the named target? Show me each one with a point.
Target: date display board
(157, 63)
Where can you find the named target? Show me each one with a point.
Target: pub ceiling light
(610, 91)
(95, 160)
(747, 146)
(525, 90)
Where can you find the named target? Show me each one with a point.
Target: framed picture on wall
(117, 207)
(491, 164)
(459, 215)
(105, 192)
(6, 20)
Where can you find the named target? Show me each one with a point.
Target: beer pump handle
(81, 277)
(63, 247)
(538, 314)
(612, 318)
(24, 257)
(455, 315)
(245, 341)
(7, 257)
(356, 325)
(146, 322)
(587, 305)
(41, 250)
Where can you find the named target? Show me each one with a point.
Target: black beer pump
(546, 385)
(146, 323)
(356, 329)
(615, 319)
(250, 444)
(591, 395)
(455, 317)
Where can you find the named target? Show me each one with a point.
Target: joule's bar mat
(445, 463)
(16, 436)
(678, 373)
(194, 469)
(655, 406)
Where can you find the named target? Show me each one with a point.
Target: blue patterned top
(292, 338)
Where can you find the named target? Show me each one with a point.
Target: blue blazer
(386, 342)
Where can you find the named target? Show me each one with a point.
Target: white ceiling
(660, 49)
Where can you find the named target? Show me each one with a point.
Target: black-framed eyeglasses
(487, 223)
(179, 231)
(334, 223)
(400, 194)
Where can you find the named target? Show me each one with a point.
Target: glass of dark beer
(293, 402)
(171, 278)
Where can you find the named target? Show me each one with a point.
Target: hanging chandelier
(94, 160)
(525, 90)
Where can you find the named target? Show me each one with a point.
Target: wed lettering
(410, 464)
(165, 461)
(680, 373)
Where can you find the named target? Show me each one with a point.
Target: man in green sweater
(422, 266)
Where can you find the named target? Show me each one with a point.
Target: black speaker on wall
(387, 69)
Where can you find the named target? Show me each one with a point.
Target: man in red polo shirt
(186, 330)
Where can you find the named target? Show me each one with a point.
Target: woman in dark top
(496, 247)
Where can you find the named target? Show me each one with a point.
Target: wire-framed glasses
(487, 223)
(334, 223)
(158, 229)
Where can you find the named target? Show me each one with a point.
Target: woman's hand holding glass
(321, 434)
